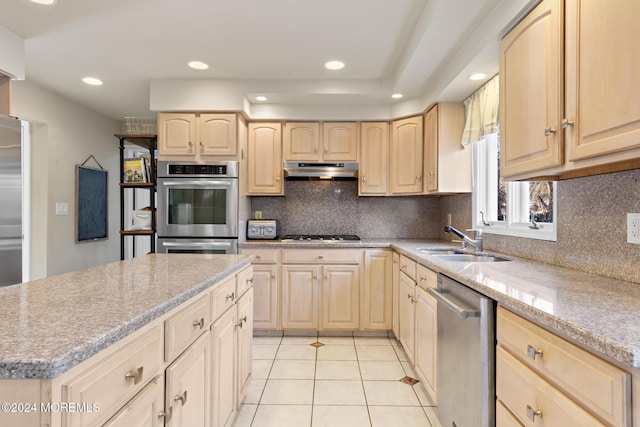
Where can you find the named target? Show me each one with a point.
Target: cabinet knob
(549, 131)
(567, 123)
(242, 321)
(326, 149)
(364, 179)
(277, 178)
(533, 413)
(533, 353)
(418, 177)
(163, 414)
(249, 281)
(135, 375)
(199, 323)
(181, 397)
(432, 173)
(202, 145)
(231, 296)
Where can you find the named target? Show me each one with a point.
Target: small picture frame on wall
(91, 204)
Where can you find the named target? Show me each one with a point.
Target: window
(522, 209)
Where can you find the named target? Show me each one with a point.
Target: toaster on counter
(262, 229)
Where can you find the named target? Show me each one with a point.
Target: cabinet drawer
(504, 417)
(321, 256)
(114, 380)
(426, 278)
(595, 383)
(244, 280)
(408, 266)
(185, 326)
(262, 256)
(524, 392)
(223, 297)
(143, 409)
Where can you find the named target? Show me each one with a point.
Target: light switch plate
(633, 228)
(62, 208)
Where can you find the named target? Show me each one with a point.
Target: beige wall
(63, 135)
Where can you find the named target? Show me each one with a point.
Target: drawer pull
(320, 257)
(249, 281)
(135, 374)
(532, 352)
(231, 296)
(257, 256)
(533, 413)
(199, 323)
(242, 321)
(181, 397)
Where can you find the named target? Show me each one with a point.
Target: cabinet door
(407, 314)
(264, 159)
(406, 156)
(531, 100)
(265, 290)
(431, 149)
(426, 340)
(224, 379)
(602, 68)
(300, 304)
(218, 135)
(395, 327)
(144, 410)
(245, 336)
(341, 297)
(188, 386)
(340, 142)
(301, 141)
(377, 290)
(374, 158)
(177, 134)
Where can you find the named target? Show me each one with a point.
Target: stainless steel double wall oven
(198, 207)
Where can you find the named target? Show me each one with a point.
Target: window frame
(485, 199)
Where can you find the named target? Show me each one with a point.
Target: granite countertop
(598, 313)
(51, 325)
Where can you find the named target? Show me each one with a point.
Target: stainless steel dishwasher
(466, 355)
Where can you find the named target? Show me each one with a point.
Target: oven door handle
(197, 182)
(462, 312)
(197, 245)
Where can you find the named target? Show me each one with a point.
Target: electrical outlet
(633, 228)
(62, 208)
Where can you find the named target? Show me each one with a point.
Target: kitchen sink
(431, 251)
(458, 257)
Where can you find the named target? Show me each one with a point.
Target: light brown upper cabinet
(314, 141)
(374, 158)
(264, 159)
(447, 165)
(570, 109)
(193, 136)
(406, 156)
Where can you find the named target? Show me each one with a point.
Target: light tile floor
(347, 382)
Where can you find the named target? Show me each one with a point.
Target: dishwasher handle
(462, 312)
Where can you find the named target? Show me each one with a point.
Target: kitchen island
(64, 334)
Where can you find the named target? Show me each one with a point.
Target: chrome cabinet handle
(231, 296)
(364, 179)
(549, 131)
(326, 149)
(199, 323)
(135, 375)
(567, 123)
(181, 397)
(277, 178)
(532, 352)
(533, 413)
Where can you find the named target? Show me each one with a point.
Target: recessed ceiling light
(397, 95)
(261, 98)
(477, 76)
(47, 2)
(92, 81)
(198, 65)
(334, 65)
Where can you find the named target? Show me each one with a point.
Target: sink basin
(458, 257)
(431, 251)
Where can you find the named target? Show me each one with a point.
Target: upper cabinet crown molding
(573, 111)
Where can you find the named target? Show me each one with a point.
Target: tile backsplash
(333, 207)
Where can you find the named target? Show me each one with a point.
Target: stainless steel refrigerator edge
(466, 356)
(10, 201)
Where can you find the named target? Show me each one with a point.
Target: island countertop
(51, 325)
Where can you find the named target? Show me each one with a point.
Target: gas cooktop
(322, 237)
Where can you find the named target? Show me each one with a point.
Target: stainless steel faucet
(476, 242)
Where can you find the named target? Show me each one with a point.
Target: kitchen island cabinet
(142, 350)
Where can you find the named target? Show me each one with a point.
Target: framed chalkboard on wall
(91, 204)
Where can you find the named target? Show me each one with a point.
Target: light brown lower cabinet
(224, 343)
(143, 410)
(406, 305)
(426, 308)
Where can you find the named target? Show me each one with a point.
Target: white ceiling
(424, 49)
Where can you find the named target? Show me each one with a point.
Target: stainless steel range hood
(312, 171)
